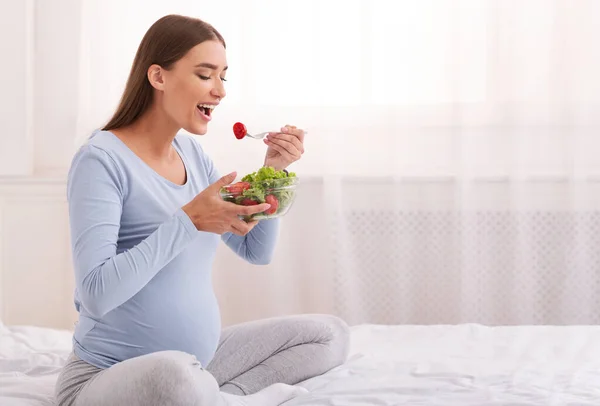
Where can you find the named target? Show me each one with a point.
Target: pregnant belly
(146, 324)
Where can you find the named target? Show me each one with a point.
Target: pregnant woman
(146, 218)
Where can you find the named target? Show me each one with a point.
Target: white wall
(57, 46)
(16, 87)
(39, 43)
(36, 282)
(39, 82)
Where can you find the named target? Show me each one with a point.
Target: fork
(260, 136)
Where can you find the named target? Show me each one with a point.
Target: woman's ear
(156, 77)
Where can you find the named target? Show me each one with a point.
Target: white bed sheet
(463, 365)
(466, 365)
(30, 360)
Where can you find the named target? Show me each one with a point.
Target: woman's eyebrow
(209, 66)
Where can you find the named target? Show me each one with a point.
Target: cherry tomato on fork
(239, 130)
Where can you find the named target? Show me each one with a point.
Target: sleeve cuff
(187, 222)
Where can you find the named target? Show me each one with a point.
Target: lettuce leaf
(265, 179)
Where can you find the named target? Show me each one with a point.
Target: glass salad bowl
(277, 188)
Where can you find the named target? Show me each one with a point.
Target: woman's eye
(208, 77)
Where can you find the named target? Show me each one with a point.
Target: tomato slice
(238, 188)
(272, 200)
(239, 130)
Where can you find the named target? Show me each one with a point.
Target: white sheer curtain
(451, 172)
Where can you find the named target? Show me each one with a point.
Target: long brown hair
(165, 42)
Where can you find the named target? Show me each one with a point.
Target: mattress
(465, 365)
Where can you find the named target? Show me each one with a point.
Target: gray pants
(258, 360)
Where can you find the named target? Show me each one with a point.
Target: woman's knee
(334, 335)
(340, 338)
(177, 378)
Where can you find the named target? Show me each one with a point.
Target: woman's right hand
(210, 213)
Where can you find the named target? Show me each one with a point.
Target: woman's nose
(219, 91)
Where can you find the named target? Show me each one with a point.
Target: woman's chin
(197, 128)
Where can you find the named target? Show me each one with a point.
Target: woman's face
(194, 86)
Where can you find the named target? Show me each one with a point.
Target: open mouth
(205, 109)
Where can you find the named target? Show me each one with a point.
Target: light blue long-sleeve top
(142, 269)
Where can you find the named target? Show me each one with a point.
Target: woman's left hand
(285, 147)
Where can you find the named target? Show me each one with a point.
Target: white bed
(30, 358)
(389, 365)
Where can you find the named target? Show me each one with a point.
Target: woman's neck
(152, 134)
